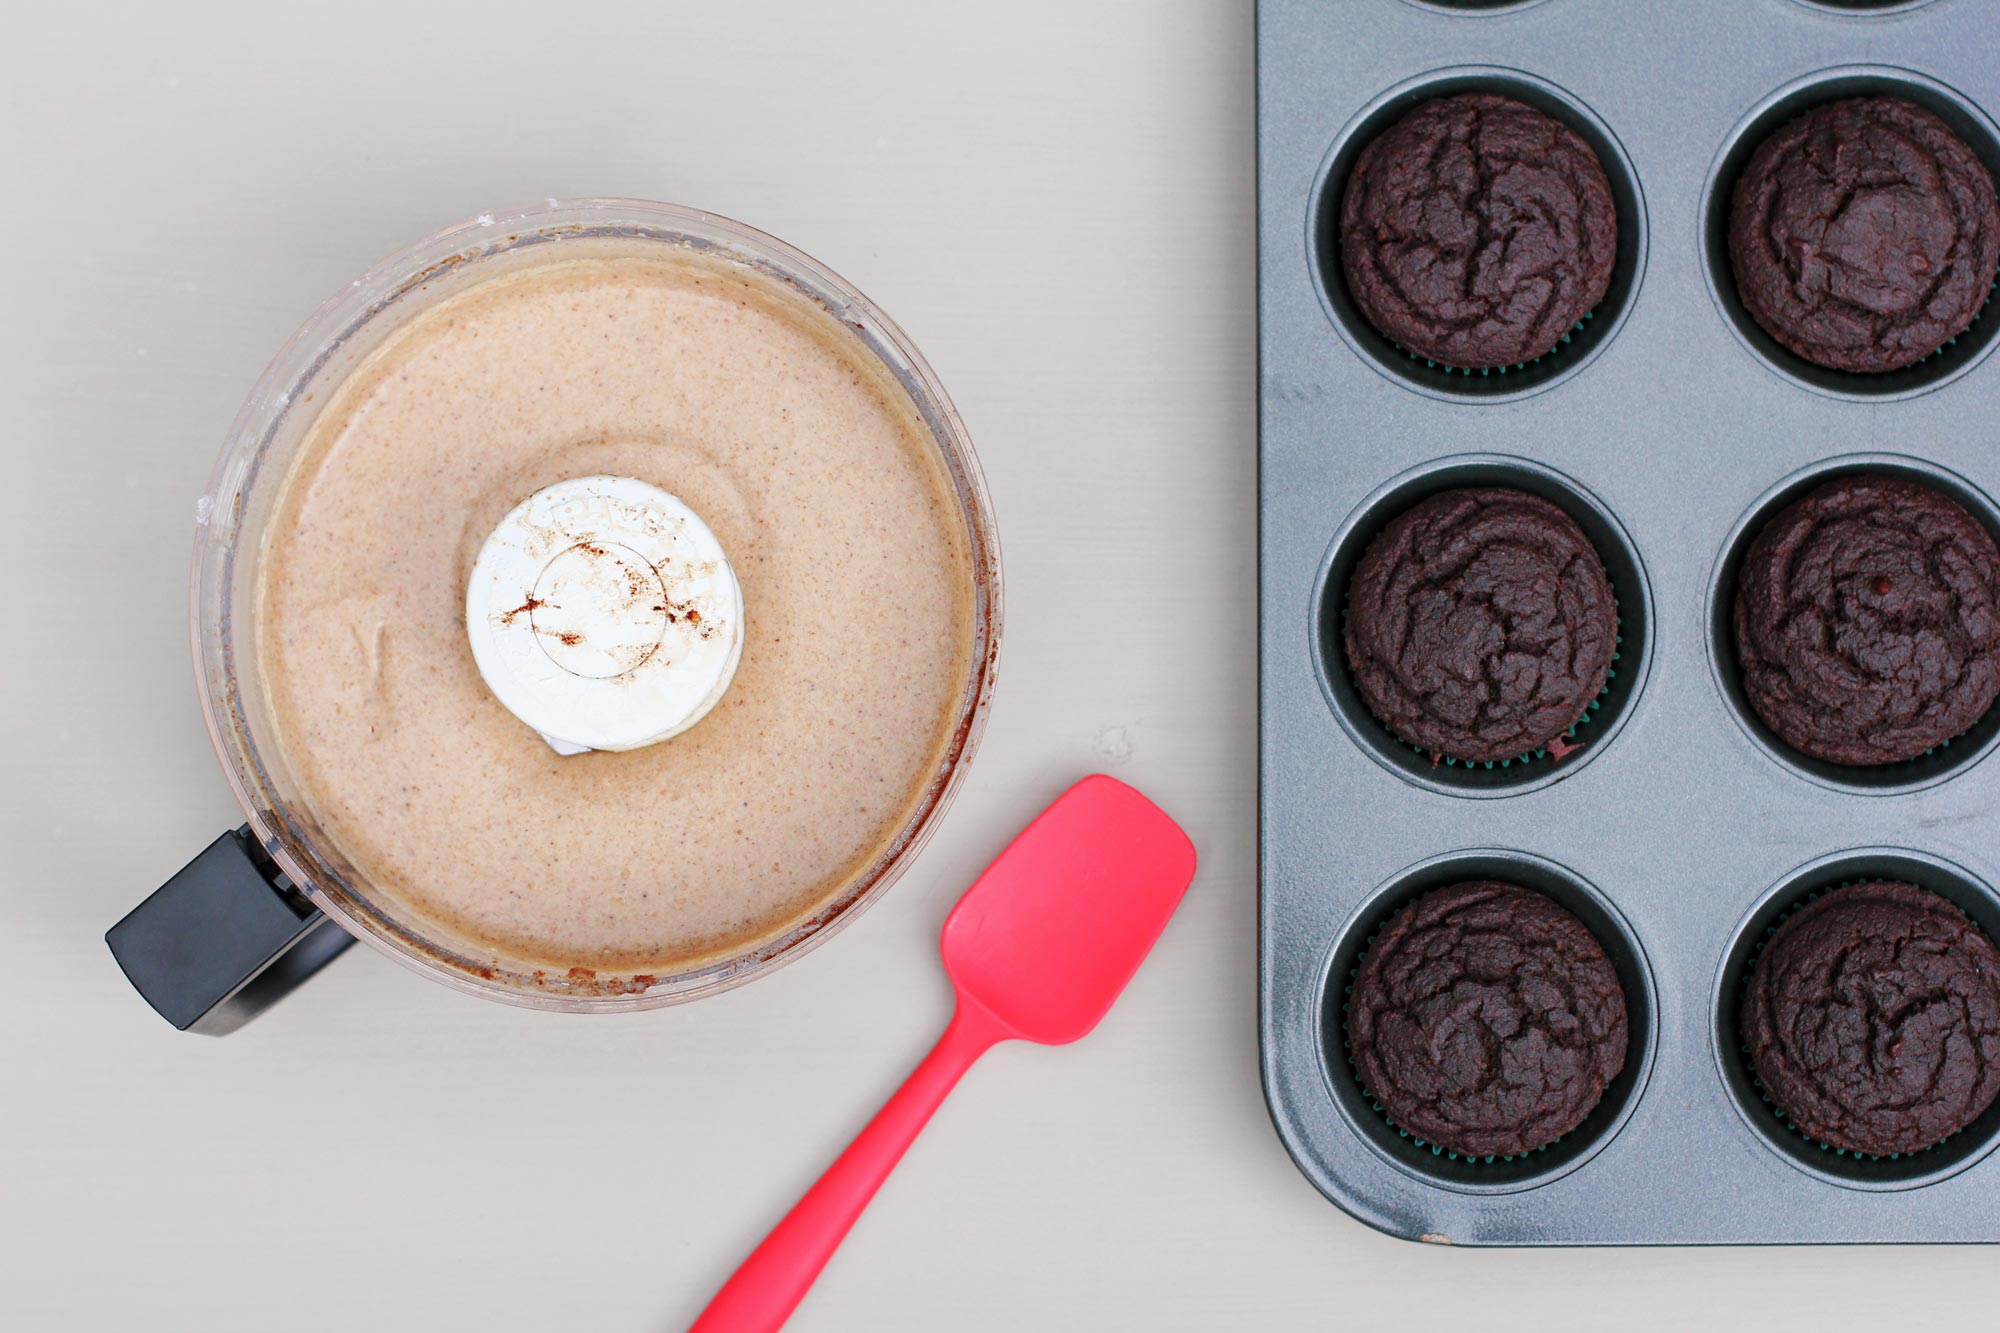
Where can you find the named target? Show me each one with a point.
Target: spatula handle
(775, 1278)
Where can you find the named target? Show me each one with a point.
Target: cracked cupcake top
(1480, 624)
(1487, 1019)
(1868, 620)
(1477, 231)
(1873, 1018)
(1864, 235)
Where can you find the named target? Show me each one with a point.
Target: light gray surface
(1678, 818)
(1055, 200)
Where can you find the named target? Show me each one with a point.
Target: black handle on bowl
(223, 940)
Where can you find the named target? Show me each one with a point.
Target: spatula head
(1049, 935)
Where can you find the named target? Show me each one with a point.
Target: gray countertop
(1055, 200)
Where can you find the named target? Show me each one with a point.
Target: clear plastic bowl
(255, 461)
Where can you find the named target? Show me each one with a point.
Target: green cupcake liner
(1952, 341)
(1590, 709)
(1743, 1047)
(1899, 764)
(1563, 347)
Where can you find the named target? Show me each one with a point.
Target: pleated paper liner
(1566, 346)
(1952, 341)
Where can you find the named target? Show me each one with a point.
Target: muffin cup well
(1966, 120)
(1438, 1165)
(1474, 8)
(1602, 718)
(1581, 344)
(1863, 8)
(1926, 770)
(1842, 1166)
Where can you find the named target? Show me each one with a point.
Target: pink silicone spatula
(1038, 948)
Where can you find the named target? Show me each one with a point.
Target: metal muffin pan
(1668, 426)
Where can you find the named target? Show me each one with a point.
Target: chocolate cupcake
(1476, 231)
(1872, 1018)
(1868, 620)
(1864, 235)
(1486, 1019)
(1480, 624)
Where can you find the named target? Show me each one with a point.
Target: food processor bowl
(269, 903)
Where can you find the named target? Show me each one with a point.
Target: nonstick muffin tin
(1669, 426)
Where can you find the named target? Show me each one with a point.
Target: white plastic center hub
(603, 614)
(599, 609)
